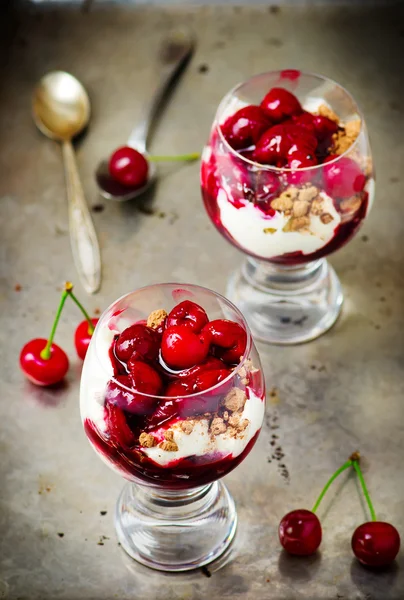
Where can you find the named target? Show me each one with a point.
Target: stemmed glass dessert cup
(175, 513)
(284, 204)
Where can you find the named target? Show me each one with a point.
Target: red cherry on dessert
(209, 364)
(300, 532)
(82, 337)
(120, 392)
(245, 127)
(324, 127)
(118, 428)
(376, 543)
(208, 379)
(144, 378)
(301, 160)
(229, 340)
(129, 167)
(342, 178)
(42, 371)
(140, 340)
(279, 143)
(180, 388)
(187, 313)
(181, 348)
(279, 104)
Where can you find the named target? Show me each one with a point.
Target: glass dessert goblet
(287, 178)
(173, 402)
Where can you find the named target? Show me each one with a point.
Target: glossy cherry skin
(300, 532)
(199, 383)
(245, 127)
(279, 104)
(129, 167)
(82, 337)
(120, 393)
(118, 428)
(277, 145)
(322, 127)
(344, 178)
(301, 160)
(39, 371)
(140, 340)
(209, 364)
(181, 348)
(229, 340)
(144, 378)
(376, 543)
(187, 313)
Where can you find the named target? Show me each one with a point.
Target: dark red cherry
(42, 371)
(300, 532)
(180, 388)
(120, 392)
(166, 410)
(324, 127)
(245, 127)
(82, 337)
(229, 340)
(209, 364)
(144, 378)
(279, 104)
(187, 313)
(300, 160)
(278, 144)
(118, 428)
(207, 379)
(343, 178)
(140, 340)
(129, 167)
(181, 348)
(266, 187)
(376, 543)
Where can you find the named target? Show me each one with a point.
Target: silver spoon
(61, 110)
(175, 52)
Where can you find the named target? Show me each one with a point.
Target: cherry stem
(83, 310)
(177, 158)
(45, 354)
(329, 482)
(365, 489)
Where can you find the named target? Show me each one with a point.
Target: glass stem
(46, 352)
(365, 489)
(330, 481)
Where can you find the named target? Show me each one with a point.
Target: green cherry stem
(364, 488)
(330, 481)
(46, 352)
(177, 158)
(83, 310)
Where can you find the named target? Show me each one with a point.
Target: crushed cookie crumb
(300, 208)
(168, 446)
(316, 207)
(326, 218)
(234, 420)
(225, 416)
(326, 111)
(350, 205)
(285, 200)
(270, 230)
(218, 426)
(187, 427)
(235, 399)
(156, 318)
(243, 424)
(147, 440)
(308, 194)
(169, 435)
(345, 137)
(367, 166)
(296, 224)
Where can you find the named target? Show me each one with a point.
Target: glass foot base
(178, 530)
(287, 305)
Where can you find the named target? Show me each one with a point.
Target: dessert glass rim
(281, 170)
(179, 285)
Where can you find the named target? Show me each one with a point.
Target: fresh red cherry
(166, 411)
(187, 313)
(140, 340)
(322, 127)
(208, 379)
(278, 144)
(376, 544)
(43, 371)
(229, 340)
(300, 532)
(120, 392)
(279, 104)
(82, 337)
(245, 127)
(118, 428)
(180, 388)
(144, 378)
(301, 160)
(209, 364)
(181, 348)
(129, 167)
(343, 178)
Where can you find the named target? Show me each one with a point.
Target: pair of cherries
(281, 134)
(45, 363)
(374, 543)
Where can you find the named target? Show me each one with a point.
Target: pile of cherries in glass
(280, 133)
(45, 363)
(184, 353)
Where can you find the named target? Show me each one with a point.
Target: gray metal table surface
(337, 394)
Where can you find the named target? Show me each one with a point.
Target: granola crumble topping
(147, 440)
(156, 318)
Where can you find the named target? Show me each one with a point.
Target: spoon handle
(175, 52)
(83, 239)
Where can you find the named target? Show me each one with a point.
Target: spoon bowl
(61, 106)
